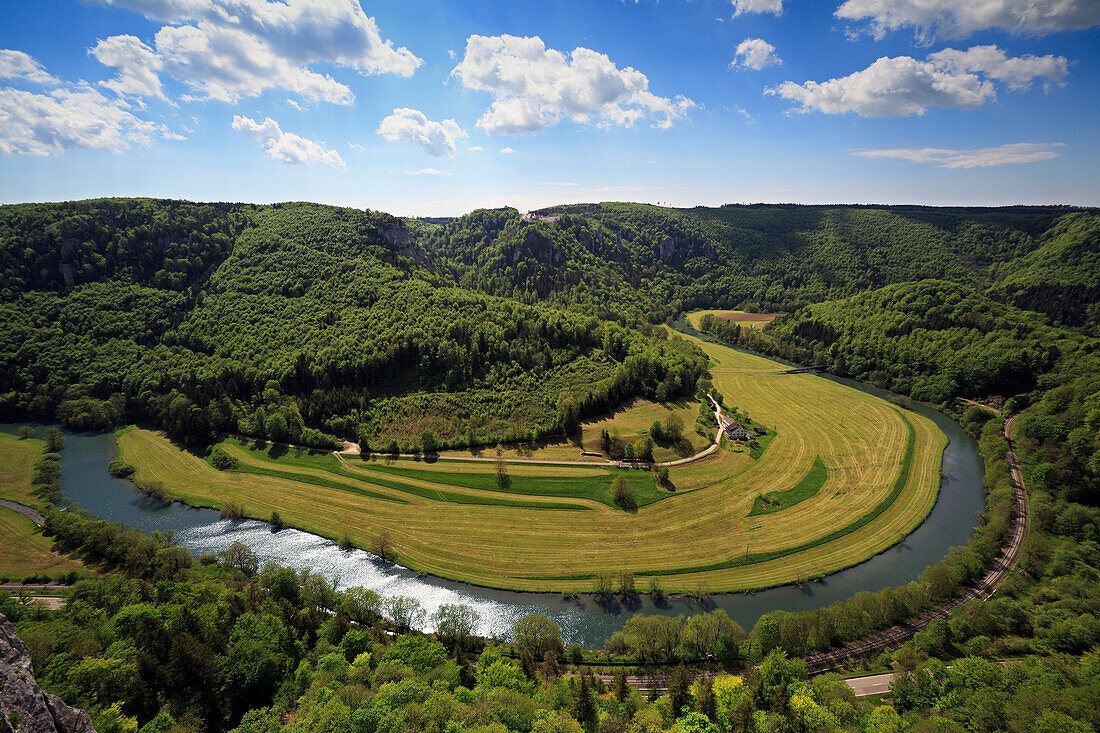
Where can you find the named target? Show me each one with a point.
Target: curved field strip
(882, 476)
(777, 501)
(340, 477)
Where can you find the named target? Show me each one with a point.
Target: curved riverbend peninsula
(557, 528)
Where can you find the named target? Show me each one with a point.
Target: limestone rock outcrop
(24, 706)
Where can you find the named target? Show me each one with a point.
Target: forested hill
(289, 322)
(300, 321)
(617, 258)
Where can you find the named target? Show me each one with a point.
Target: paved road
(23, 509)
(876, 684)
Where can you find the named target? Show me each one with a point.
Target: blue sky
(437, 108)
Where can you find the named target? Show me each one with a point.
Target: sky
(438, 107)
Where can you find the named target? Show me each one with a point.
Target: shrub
(232, 510)
(222, 461)
(121, 469)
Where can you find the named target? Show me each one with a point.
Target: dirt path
(994, 410)
(23, 509)
(352, 449)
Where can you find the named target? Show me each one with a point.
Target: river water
(87, 481)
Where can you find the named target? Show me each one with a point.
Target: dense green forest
(636, 261)
(306, 323)
(301, 323)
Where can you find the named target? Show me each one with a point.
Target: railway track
(1000, 569)
(895, 636)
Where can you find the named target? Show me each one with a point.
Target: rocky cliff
(24, 706)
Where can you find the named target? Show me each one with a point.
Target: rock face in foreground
(22, 700)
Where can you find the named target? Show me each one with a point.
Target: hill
(288, 320)
(636, 260)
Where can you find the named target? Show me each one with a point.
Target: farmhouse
(733, 429)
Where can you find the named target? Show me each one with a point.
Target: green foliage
(538, 635)
(296, 323)
(222, 461)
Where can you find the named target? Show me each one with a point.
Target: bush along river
(583, 619)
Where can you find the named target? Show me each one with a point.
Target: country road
(352, 449)
(23, 509)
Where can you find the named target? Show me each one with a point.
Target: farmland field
(556, 527)
(26, 551)
(16, 462)
(754, 321)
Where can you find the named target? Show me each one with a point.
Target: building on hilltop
(532, 216)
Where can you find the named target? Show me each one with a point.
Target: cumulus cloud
(67, 118)
(902, 86)
(413, 126)
(978, 158)
(957, 19)
(137, 66)
(227, 49)
(429, 172)
(506, 151)
(1017, 72)
(285, 146)
(534, 87)
(775, 7)
(18, 65)
(756, 54)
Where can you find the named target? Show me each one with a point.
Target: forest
(309, 323)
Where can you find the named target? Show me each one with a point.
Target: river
(87, 481)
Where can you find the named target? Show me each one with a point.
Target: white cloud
(902, 85)
(960, 18)
(775, 7)
(506, 151)
(227, 49)
(534, 87)
(285, 146)
(475, 147)
(409, 125)
(18, 65)
(225, 64)
(67, 118)
(979, 158)
(137, 66)
(357, 147)
(756, 54)
(429, 172)
(1017, 72)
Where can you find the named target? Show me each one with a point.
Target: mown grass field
(548, 532)
(16, 464)
(23, 550)
(26, 552)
